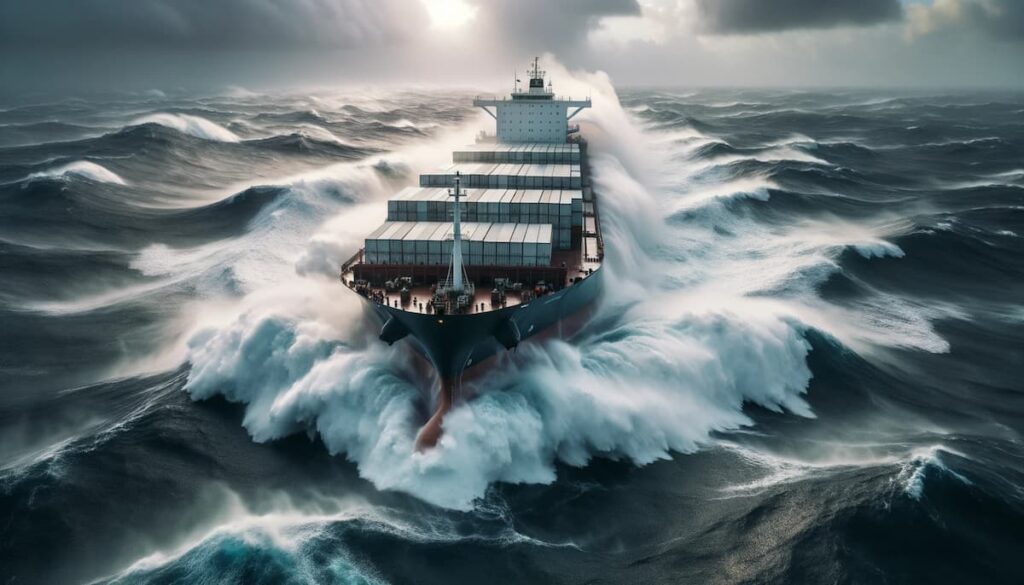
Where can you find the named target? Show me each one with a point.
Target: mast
(456, 269)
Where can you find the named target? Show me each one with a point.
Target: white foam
(910, 467)
(878, 249)
(287, 525)
(84, 303)
(699, 195)
(776, 154)
(192, 125)
(82, 168)
(913, 471)
(778, 470)
(641, 391)
(318, 133)
(277, 236)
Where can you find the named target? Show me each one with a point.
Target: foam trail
(83, 169)
(191, 125)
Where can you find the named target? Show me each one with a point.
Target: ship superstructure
(501, 245)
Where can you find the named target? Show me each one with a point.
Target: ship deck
(577, 266)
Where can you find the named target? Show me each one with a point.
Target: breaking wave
(83, 169)
(191, 125)
(923, 461)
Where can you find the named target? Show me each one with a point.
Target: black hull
(454, 343)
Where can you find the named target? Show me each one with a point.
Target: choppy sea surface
(807, 366)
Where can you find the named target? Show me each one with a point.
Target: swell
(44, 132)
(948, 264)
(832, 345)
(50, 213)
(305, 143)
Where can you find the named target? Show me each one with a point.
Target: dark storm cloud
(755, 16)
(545, 25)
(205, 24)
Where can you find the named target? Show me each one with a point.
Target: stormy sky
(142, 44)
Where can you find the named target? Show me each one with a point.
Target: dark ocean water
(807, 367)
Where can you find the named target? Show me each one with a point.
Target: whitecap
(914, 470)
(81, 169)
(320, 133)
(770, 155)
(191, 125)
(878, 249)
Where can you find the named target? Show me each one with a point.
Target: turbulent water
(806, 368)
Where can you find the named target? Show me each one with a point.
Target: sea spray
(641, 389)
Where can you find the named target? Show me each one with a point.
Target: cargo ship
(502, 245)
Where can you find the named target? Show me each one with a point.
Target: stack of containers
(563, 209)
(522, 200)
(484, 244)
(507, 176)
(519, 153)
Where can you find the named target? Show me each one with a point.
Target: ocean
(806, 368)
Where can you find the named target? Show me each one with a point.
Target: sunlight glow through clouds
(449, 14)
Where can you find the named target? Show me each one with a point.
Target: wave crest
(83, 169)
(191, 125)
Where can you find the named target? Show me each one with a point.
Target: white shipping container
(483, 243)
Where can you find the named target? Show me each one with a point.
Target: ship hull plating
(454, 343)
